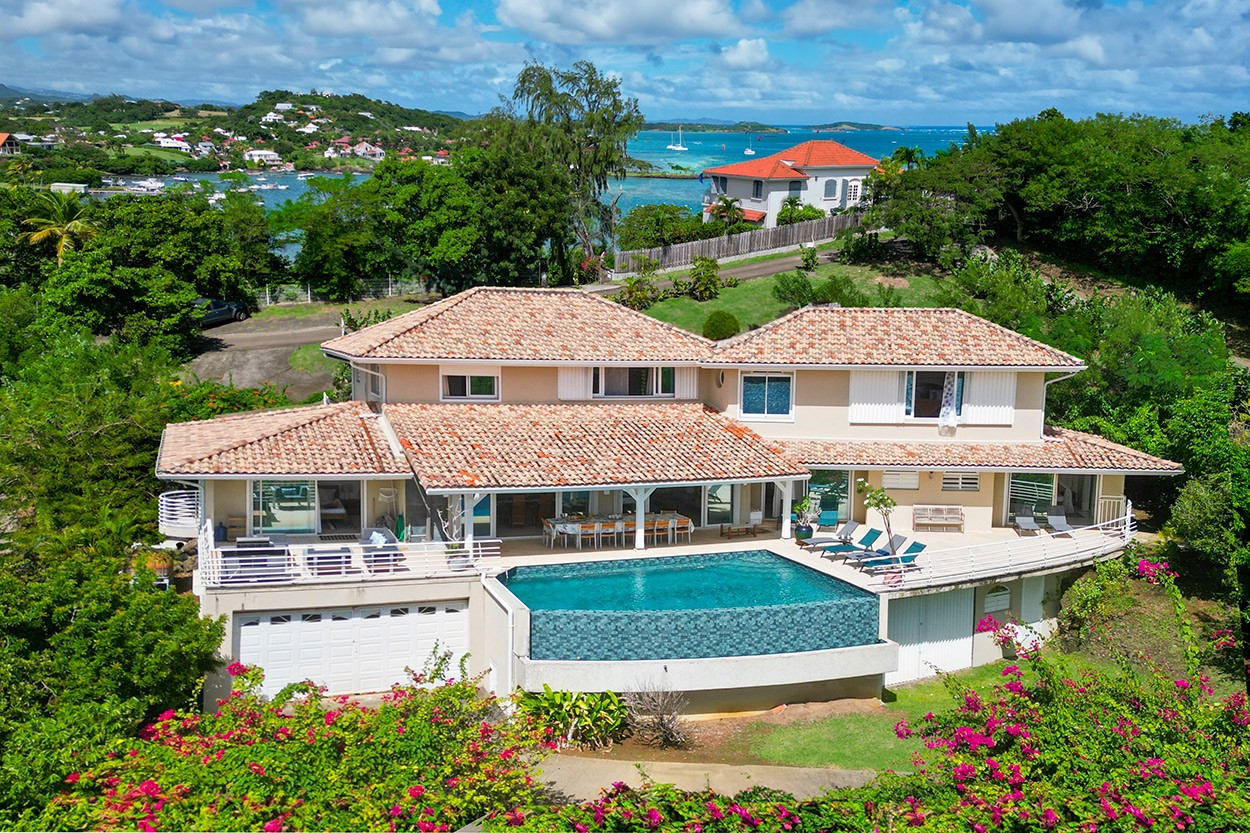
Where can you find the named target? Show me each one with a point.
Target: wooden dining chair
(683, 526)
(587, 532)
(610, 530)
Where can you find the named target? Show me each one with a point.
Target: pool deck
(951, 560)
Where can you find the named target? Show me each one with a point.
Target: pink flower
(273, 826)
(988, 624)
(72, 778)
(654, 818)
(417, 791)
(1182, 684)
(1011, 669)
(236, 668)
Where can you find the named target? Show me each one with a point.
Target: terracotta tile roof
(458, 446)
(817, 153)
(752, 215)
(1061, 450)
(506, 324)
(343, 438)
(876, 336)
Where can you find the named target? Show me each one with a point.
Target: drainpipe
(1045, 385)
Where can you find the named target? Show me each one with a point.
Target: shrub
(705, 282)
(655, 715)
(1089, 601)
(721, 324)
(639, 293)
(432, 756)
(810, 258)
(591, 719)
(862, 248)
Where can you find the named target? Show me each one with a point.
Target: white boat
(677, 145)
(146, 186)
(750, 151)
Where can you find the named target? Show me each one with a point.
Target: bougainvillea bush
(431, 756)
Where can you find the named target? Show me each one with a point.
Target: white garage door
(349, 650)
(933, 630)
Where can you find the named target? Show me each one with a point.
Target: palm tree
(790, 206)
(22, 167)
(908, 157)
(61, 219)
(728, 209)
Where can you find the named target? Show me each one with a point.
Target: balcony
(178, 513)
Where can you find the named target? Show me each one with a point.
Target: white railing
(933, 568)
(178, 513)
(271, 564)
(1110, 507)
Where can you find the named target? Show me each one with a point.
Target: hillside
(850, 125)
(736, 127)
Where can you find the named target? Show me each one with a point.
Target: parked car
(213, 311)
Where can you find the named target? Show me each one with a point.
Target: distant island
(851, 125)
(736, 127)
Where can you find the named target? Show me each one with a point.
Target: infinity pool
(689, 606)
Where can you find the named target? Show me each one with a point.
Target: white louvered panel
(989, 398)
(573, 383)
(876, 397)
(687, 383)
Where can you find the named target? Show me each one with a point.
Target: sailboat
(677, 145)
(750, 151)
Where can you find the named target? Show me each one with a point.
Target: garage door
(349, 650)
(931, 631)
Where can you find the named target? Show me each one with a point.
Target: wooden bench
(729, 530)
(937, 517)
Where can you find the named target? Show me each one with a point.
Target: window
(470, 387)
(1031, 490)
(757, 189)
(374, 374)
(634, 381)
(833, 490)
(766, 395)
(831, 189)
(284, 507)
(721, 183)
(926, 390)
(961, 482)
(720, 508)
(900, 480)
(796, 187)
(852, 192)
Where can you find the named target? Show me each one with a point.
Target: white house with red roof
(820, 172)
(502, 429)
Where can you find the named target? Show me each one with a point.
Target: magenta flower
(273, 826)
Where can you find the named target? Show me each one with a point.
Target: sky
(896, 62)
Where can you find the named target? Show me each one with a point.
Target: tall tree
(582, 123)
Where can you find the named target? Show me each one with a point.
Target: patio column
(469, 502)
(640, 495)
(787, 501)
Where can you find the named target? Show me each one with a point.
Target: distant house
(308, 128)
(173, 144)
(310, 108)
(821, 173)
(206, 147)
(271, 117)
(367, 151)
(9, 145)
(343, 141)
(283, 106)
(263, 157)
(68, 188)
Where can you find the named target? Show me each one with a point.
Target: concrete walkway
(584, 778)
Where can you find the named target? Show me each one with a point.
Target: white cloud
(809, 17)
(749, 54)
(43, 17)
(622, 21)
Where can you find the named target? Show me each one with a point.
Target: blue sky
(780, 61)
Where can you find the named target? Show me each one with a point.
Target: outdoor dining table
(573, 525)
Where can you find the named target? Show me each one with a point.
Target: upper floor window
(374, 374)
(796, 187)
(634, 381)
(767, 394)
(464, 386)
(757, 189)
(831, 189)
(852, 192)
(930, 392)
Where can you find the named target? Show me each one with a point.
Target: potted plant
(806, 511)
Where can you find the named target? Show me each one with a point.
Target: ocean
(705, 150)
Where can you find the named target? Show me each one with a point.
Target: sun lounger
(865, 542)
(1057, 520)
(886, 562)
(1023, 516)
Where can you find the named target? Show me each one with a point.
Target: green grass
(163, 125)
(285, 311)
(160, 153)
(861, 741)
(310, 359)
(753, 303)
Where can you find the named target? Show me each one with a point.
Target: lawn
(160, 153)
(859, 740)
(310, 359)
(396, 305)
(753, 303)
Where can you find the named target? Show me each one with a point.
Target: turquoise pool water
(689, 606)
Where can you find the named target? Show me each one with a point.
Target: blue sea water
(705, 150)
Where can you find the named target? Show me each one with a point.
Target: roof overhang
(989, 367)
(614, 487)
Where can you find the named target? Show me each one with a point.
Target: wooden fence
(760, 240)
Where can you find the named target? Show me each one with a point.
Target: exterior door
(934, 633)
(349, 650)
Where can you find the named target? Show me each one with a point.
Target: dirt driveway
(253, 352)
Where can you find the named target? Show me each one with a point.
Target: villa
(503, 439)
(820, 172)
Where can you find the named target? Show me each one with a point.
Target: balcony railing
(268, 562)
(178, 513)
(934, 568)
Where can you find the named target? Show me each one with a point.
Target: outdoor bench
(938, 517)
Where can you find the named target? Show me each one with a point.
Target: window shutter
(573, 383)
(876, 397)
(900, 480)
(989, 398)
(687, 383)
